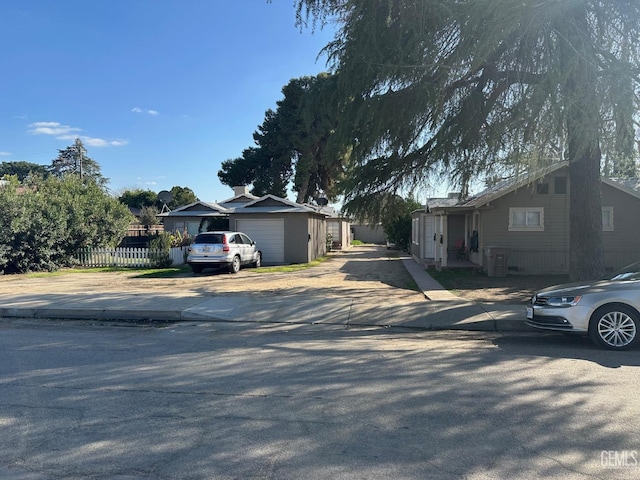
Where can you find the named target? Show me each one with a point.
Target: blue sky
(160, 91)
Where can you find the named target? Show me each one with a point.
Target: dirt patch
(367, 271)
(477, 286)
(362, 271)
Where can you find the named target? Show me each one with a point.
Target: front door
(429, 235)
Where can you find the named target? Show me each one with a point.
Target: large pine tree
(467, 87)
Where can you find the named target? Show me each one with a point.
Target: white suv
(223, 249)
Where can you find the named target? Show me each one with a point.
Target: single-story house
(525, 222)
(196, 217)
(286, 232)
(338, 227)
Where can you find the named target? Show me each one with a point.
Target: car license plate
(530, 313)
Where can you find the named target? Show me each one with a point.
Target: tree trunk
(583, 148)
(585, 218)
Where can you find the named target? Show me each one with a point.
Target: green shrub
(159, 249)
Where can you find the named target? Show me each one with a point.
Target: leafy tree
(46, 224)
(181, 196)
(149, 216)
(465, 88)
(22, 169)
(139, 198)
(396, 222)
(295, 143)
(74, 160)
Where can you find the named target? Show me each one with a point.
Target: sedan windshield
(630, 272)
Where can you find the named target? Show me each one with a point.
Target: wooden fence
(125, 257)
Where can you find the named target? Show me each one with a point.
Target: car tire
(615, 327)
(258, 261)
(234, 267)
(196, 268)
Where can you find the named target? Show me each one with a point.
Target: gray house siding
(530, 251)
(316, 241)
(298, 227)
(622, 244)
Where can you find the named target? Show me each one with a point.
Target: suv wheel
(235, 265)
(196, 268)
(258, 261)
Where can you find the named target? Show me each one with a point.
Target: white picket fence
(125, 257)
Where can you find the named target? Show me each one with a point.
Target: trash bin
(496, 260)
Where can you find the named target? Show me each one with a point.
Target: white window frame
(609, 227)
(526, 228)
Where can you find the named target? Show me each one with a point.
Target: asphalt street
(208, 400)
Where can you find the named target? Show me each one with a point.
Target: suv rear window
(209, 238)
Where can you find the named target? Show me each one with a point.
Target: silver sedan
(607, 310)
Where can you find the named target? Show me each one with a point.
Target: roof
(630, 186)
(502, 188)
(627, 185)
(238, 200)
(272, 204)
(197, 209)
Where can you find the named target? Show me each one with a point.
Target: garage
(268, 234)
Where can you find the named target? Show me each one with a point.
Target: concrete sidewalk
(438, 311)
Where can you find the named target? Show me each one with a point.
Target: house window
(529, 219)
(607, 219)
(560, 186)
(542, 188)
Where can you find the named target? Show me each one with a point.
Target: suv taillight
(225, 245)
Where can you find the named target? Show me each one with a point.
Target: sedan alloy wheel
(615, 327)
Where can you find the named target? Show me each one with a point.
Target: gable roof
(504, 187)
(238, 200)
(197, 209)
(630, 186)
(272, 204)
(627, 185)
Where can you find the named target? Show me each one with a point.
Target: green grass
(357, 242)
(291, 268)
(170, 271)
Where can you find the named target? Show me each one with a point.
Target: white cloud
(101, 142)
(52, 128)
(5, 154)
(141, 110)
(66, 132)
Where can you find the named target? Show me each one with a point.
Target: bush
(46, 222)
(159, 249)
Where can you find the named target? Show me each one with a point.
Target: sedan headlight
(568, 301)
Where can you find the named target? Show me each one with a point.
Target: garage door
(268, 234)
